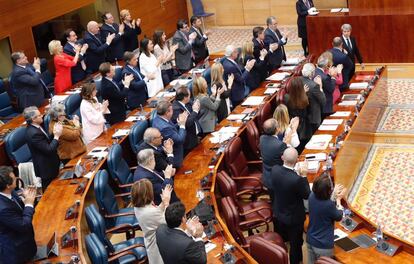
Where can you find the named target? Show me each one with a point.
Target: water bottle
(329, 163)
(378, 233)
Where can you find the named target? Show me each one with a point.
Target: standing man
(326, 74)
(351, 47)
(138, 92)
(95, 55)
(116, 50)
(273, 36)
(184, 55)
(26, 80)
(289, 190)
(43, 149)
(200, 42)
(78, 72)
(303, 8)
(17, 241)
(340, 57)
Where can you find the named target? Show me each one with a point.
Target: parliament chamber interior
(207, 131)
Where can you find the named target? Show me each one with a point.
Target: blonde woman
(131, 30)
(208, 104)
(217, 72)
(286, 125)
(63, 63)
(259, 71)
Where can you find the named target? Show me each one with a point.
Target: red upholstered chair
(326, 260)
(253, 138)
(265, 112)
(263, 251)
(232, 218)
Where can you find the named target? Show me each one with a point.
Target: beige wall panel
(255, 12)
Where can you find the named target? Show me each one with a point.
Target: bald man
(289, 190)
(95, 55)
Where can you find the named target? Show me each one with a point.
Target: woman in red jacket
(63, 63)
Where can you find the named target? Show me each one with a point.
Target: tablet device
(346, 244)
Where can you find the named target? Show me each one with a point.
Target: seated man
(17, 242)
(163, 152)
(146, 169)
(180, 240)
(168, 129)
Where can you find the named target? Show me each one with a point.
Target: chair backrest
(207, 76)
(118, 167)
(118, 74)
(253, 137)
(98, 86)
(16, 146)
(72, 105)
(46, 123)
(6, 109)
(198, 8)
(262, 251)
(105, 197)
(264, 113)
(226, 185)
(96, 224)
(235, 159)
(137, 134)
(326, 260)
(153, 114)
(231, 216)
(96, 250)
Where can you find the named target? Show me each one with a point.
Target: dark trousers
(294, 235)
(305, 46)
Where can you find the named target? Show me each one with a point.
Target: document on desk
(180, 82)
(339, 234)
(73, 92)
(271, 90)
(120, 133)
(291, 61)
(235, 117)
(319, 142)
(254, 100)
(351, 97)
(358, 85)
(336, 10)
(328, 127)
(210, 246)
(59, 98)
(348, 103)
(341, 114)
(332, 121)
(345, 10)
(287, 68)
(98, 152)
(165, 94)
(278, 76)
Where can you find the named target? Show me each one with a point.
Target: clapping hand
(182, 118)
(250, 64)
(230, 80)
(318, 80)
(194, 227)
(263, 54)
(192, 36)
(84, 48)
(36, 63)
(168, 146)
(169, 171)
(196, 106)
(213, 90)
(306, 88)
(332, 71)
(109, 38)
(274, 46)
(166, 195)
(105, 105)
(138, 22)
(57, 130)
(294, 123)
(29, 195)
(127, 80)
(339, 68)
(75, 120)
(121, 28)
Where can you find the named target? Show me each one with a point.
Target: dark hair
(174, 214)
(104, 68)
(194, 19)
(66, 34)
(142, 193)
(86, 92)
(162, 107)
(144, 46)
(182, 92)
(104, 16)
(128, 55)
(5, 178)
(157, 38)
(218, 85)
(322, 187)
(257, 31)
(16, 56)
(297, 95)
(181, 23)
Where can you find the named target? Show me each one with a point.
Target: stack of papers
(312, 166)
(339, 234)
(271, 90)
(287, 68)
(359, 85)
(278, 76)
(180, 82)
(254, 100)
(351, 97)
(328, 127)
(291, 61)
(317, 156)
(120, 133)
(341, 114)
(224, 134)
(98, 152)
(348, 103)
(166, 94)
(235, 117)
(319, 142)
(332, 121)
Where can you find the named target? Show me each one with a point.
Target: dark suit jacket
(116, 49)
(137, 93)
(339, 57)
(30, 91)
(271, 149)
(257, 74)
(44, 154)
(170, 130)
(95, 54)
(185, 249)
(161, 159)
(77, 72)
(328, 86)
(191, 139)
(289, 190)
(130, 37)
(317, 101)
(183, 59)
(240, 77)
(275, 57)
(199, 45)
(158, 183)
(116, 98)
(302, 11)
(354, 52)
(17, 243)
(261, 65)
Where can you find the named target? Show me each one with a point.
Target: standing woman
(302, 9)
(162, 48)
(217, 79)
(149, 215)
(92, 113)
(63, 64)
(259, 70)
(151, 67)
(131, 30)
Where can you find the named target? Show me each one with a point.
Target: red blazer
(63, 79)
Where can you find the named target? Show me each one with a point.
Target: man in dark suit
(303, 8)
(163, 153)
(328, 83)
(185, 236)
(115, 50)
(26, 80)
(182, 104)
(184, 55)
(78, 72)
(289, 190)
(271, 148)
(238, 90)
(168, 129)
(43, 149)
(350, 45)
(273, 36)
(138, 92)
(199, 45)
(159, 179)
(261, 55)
(115, 92)
(17, 242)
(339, 57)
(95, 54)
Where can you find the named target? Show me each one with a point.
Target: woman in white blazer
(150, 66)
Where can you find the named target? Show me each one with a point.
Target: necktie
(307, 4)
(348, 43)
(116, 85)
(186, 37)
(16, 202)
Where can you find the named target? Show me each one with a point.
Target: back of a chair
(153, 114)
(46, 123)
(105, 197)
(207, 76)
(118, 167)
(235, 159)
(264, 113)
(262, 251)
(227, 186)
(118, 74)
(326, 260)
(231, 216)
(16, 146)
(6, 108)
(198, 8)
(136, 135)
(98, 86)
(96, 250)
(253, 137)
(96, 225)
(72, 105)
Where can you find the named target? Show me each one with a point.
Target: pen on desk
(218, 255)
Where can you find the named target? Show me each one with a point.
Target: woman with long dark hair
(150, 66)
(162, 48)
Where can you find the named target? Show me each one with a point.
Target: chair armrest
(253, 221)
(243, 178)
(254, 162)
(122, 194)
(255, 210)
(118, 228)
(247, 191)
(115, 257)
(118, 215)
(125, 185)
(128, 248)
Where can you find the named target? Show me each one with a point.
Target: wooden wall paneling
(284, 11)
(384, 6)
(228, 13)
(328, 4)
(255, 12)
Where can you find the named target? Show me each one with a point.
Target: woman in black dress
(131, 31)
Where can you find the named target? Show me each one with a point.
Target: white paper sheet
(319, 142)
(271, 90)
(321, 156)
(99, 152)
(180, 81)
(328, 127)
(254, 100)
(341, 114)
(278, 76)
(234, 117)
(165, 94)
(332, 121)
(358, 85)
(336, 10)
(339, 234)
(351, 97)
(287, 68)
(348, 103)
(291, 61)
(120, 133)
